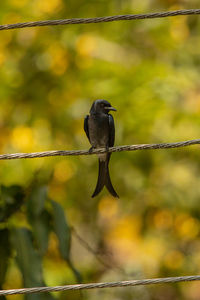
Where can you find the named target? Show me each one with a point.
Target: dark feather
(111, 134)
(111, 131)
(108, 182)
(101, 178)
(86, 126)
(109, 185)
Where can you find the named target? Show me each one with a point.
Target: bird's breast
(98, 126)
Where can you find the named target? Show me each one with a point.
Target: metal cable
(100, 150)
(129, 17)
(100, 285)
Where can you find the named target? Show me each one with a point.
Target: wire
(100, 150)
(182, 12)
(100, 285)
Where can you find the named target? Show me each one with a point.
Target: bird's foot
(91, 149)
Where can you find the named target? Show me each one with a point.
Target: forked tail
(104, 179)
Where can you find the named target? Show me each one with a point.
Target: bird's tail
(109, 185)
(104, 179)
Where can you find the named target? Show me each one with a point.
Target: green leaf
(63, 233)
(5, 252)
(29, 262)
(41, 227)
(11, 200)
(61, 229)
(36, 201)
(39, 218)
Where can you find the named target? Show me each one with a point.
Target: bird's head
(101, 106)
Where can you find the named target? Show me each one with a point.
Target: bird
(100, 130)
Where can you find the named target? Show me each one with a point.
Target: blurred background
(149, 71)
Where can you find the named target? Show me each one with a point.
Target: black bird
(100, 130)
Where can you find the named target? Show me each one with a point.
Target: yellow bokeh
(151, 252)
(53, 248)
(57, 192)
(86, 44)
(63, 171)
(108, 207)
(42, 133)
(22, 138)
(46, 6)
(59, 59)
(124, 237)
(187, 226)
(18, 3)
(128, 227)
(163, 219)
(174, 259)
(179, 29)
(13, 275)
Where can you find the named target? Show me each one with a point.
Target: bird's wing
(86, 126)
(111, 131)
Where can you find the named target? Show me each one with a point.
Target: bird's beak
(110, 108)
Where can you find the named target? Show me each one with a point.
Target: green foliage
(31, 244)
(39, 217)
(4, 254)
(63, 232)
(11, 200)
(61, 229)
(29, 261)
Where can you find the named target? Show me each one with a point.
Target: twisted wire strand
(100, 150)
(129, 17)
(100, 285)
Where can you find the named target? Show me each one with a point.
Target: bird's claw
(91, 149)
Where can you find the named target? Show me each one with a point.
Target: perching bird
(100, 130)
